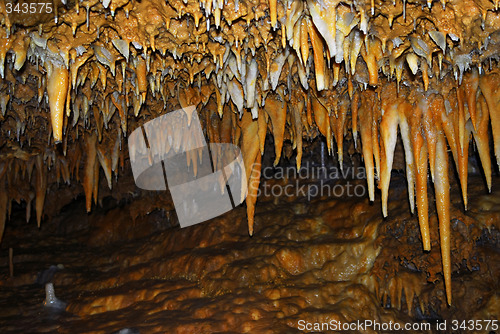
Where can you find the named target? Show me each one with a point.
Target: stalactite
(57, 89)
(442, 188)
(276, 110)
(388, 134)
(41, 188)
(89, 171)
(421, 160)
(489, 85)
(480, 134)
(252, 161)
(365, 118)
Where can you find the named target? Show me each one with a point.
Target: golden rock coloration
(415, 71)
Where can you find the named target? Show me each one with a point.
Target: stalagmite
(57, 89)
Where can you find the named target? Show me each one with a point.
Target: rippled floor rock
(318, 261)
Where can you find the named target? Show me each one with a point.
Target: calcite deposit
(365, 76)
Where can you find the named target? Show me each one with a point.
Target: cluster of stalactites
(294, 68)
(243, 45)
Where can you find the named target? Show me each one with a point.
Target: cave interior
(362, 136)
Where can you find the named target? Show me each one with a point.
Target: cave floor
(127, 266)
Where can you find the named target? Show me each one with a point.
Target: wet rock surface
(320, 260)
